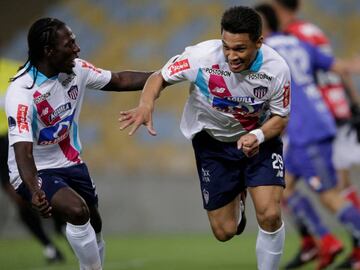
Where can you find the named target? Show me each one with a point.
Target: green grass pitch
(152, 252)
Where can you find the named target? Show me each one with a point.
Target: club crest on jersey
(73, 92)
(260, 91)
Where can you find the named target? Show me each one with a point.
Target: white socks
(101, 246)
(83, 241)
(269, 248)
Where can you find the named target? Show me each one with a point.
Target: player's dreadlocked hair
(292, 5)
(269, 16)
(42, 33)
(240, 19)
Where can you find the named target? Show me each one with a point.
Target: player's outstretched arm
(142, 114)
(28, 173)
(127, 81)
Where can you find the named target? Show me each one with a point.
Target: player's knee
(79, 214)
(225, 231)
(269, 220)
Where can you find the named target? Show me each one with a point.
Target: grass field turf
(152, 252)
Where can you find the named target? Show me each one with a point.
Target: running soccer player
(43, 104)
(310, 132)
(343, 100)
(234, 116)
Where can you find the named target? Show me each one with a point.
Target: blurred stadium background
(146, 184)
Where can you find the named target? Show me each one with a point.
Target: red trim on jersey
(70, 152)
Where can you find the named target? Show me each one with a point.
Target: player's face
(239, 50)
(64, 52)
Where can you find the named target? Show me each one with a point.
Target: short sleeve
(19, 110)
(94, 77)
(181, 67)
(280, 100)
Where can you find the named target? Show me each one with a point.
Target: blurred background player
(310, 133)
(342, 99)
(27, 215)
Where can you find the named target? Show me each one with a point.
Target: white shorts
(346, 148)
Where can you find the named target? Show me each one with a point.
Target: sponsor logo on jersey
(241, 99)
(73, 92)
(56, 133)
(218, 72)
(68, 79)
(259, 76)
(41, 98)
(179, 66)
(59, 111)
(21, 118)
(260, 91)
(286, 99)
(231, 105)
(11, 123)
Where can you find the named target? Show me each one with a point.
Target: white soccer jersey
(224, 103)
(48, 115)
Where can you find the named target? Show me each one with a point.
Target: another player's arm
(28, 173)
(142, 115)
(127, 81)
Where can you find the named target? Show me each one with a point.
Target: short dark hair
(42, 33)
(269, 15)
(292, 5)
(240, 19)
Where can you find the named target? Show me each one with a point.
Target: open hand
(141, 115)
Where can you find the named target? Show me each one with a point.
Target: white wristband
(259, 135)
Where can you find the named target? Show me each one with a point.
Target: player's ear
(259, 42)
(48, 51)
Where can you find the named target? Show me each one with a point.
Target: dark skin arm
(28, 173)
(127, 81)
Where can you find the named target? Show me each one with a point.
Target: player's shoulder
(308, 32)
(20, 84)
(273, 62)
(205, 49)
(83, 66)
